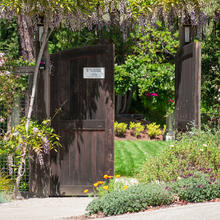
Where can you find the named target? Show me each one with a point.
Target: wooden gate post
(188, 86)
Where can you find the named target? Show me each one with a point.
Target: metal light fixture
(187, 34)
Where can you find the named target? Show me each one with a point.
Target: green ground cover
(130, 155)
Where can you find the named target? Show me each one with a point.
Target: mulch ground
(143, 136)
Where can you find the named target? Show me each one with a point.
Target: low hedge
(133, 199)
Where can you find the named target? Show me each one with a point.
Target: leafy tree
(74, 14)
(54, 12)
(211, 72)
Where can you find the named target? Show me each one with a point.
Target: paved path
(43, 209)
(201, 211)
(66, 208)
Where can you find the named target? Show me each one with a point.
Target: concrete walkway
(199, 211)
(67, 208)
(43, 209)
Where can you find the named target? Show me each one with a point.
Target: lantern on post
(188, 33)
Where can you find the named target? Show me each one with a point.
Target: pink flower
(173, 101)
(148, 94)
(154, 94)
(169, 100)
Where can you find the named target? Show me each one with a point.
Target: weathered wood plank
(85, 122)
(188, 86)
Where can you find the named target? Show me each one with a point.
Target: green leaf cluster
(210, 88)
(9, 38)
(40, 138)
(153, 130)
(136, 128)
(5, 183)
(120, 129)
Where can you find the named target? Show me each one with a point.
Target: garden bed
(143, 136)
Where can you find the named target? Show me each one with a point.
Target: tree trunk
(25, 37)
(22, 164)
(45, 37)
(129, 101)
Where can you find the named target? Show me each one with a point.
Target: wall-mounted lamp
(42, 65)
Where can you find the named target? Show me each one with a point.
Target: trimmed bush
(133, 199)
(197, 151)
(120, 129)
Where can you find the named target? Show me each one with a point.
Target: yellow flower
(110, 177)
(117, 176)
(100, 182)
(105, 176)
(86, 191)
(96, 184)
(125, 187)
(105, 187)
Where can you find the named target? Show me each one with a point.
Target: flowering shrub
(195, 151)
(132, 199)
(40, 138)
(136, 128)
(196, 187)
(153, 130)
(120, 129)
(101, 188)
(171, 106)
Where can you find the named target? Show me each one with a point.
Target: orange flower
(125, 187)
(117, 176)
(105, 187)
(105, 176)
(110, 177)
(100, 182)
(86, 191)
(96, 184)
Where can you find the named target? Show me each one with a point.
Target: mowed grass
(130, 155)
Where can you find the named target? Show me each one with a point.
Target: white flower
(179, 178)
(2, 120)
(201, 150)
(15, 133)
(205, 145)
(172, 145)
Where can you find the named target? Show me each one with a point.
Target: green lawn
(130, 155)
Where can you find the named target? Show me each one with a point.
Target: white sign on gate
(93, 72)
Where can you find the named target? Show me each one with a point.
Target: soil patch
(143, 137)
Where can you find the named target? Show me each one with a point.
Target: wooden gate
(82, 104)
(188, 86)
